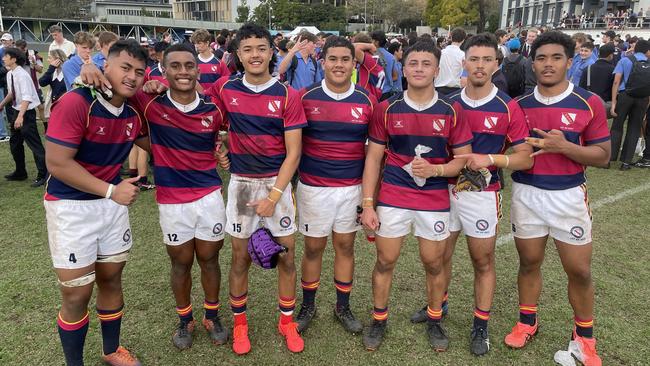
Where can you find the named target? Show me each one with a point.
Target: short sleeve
(67, 124)
(293, 113)
(619, 67)
(460, 133)
(140, 100)
(377, 131)
(596, 130)
(517, 128)
(26, 85)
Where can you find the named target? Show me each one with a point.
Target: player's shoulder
(525, 99)
(583, 94)
(311, 90)
(364, 94)
(78, 97)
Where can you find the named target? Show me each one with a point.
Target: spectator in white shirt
(59, 42)
(451, 64)
(23, 100)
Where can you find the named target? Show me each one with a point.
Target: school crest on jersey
(490, 122)
(129, 129)
(274, 106)
(438, 124)
(206, 121)
(214, 68)
(568, 118)
(357, 112)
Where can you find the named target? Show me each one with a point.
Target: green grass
(29, 296)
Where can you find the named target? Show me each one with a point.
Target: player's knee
(313, 253)
(385, 265)
(529, 265)
(286, 262)
(433, 267)
(181, 268)
(75, 301)
(580, 275)
(345, 250)
(483, 265)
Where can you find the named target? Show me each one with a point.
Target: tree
(454, 13)
(243, 12)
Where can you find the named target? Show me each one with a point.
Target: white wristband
(109, 191)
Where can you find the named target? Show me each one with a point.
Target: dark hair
(499, 33)
(606, 50)
(554, 37)
(642, 46)
(55, 28)
(422, 46)
(131, 47)
(21, 43)
(251, 30)
(278, 35)
(499, 57)
(394, 47)
(160, 46)
(458, 35)
(282, 45)
(481, 40)
(17, 54)
(587, 45)
(335, 41)
(179, 47)
(380, 37)
(306, 35)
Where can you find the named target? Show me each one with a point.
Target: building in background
(204, 10)
(110, 10)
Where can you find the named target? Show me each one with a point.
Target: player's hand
(475, 161)
(18, 124)
(224, 161)
(126, 192)
(91, 75)
(422, 168)
(264, 207)
(612, 110)
(369, 218)
(300, 45)
(56, 63)
(551, 142)
(154, 87)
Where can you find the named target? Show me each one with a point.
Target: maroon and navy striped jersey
(401, 126)
(333, 143)
(210, 71)
(183, 140)
(371, 76)
(496, 122)
(101, 133)
(257, 118)
(580, 115)
(155, 73)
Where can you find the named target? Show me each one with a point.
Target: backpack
(515, 74)
(638, 82)
(291, 73)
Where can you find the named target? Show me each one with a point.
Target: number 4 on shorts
(72, 258)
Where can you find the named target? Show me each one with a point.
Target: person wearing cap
(593, 78)
(608, 37)
(59, 42)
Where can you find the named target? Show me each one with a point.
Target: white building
(108, 10)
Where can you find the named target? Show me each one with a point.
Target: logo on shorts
(217, 228)
(439, 227)
(285, 222)
(490, 122)
(577, 232)
(127, 236)
(482, 225)
(274, 106)
(438, 124)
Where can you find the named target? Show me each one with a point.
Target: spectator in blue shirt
(105, 40)
(84, 43)
(387, 61)
(581, 61)
(397, 51)
(300, 66)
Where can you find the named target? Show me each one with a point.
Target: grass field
(29, 296)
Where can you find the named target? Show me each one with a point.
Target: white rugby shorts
(562, 214)
(242, 219)
(322, 210)
(477, 214)
(80, 230)
(204, 219)
(396, 222)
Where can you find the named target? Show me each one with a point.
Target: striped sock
(380, 314)
(111, 321)
(343, 290)
(584, 328)
(211, 309)
(527, 314)
(73, 337)
(445, 302)
(238, 303)
(185, 313)
(434, 315)
(309, 291)
(481, 318)
(286, 305)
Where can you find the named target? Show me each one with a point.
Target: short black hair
(422, 46)
(179, 47)
(606, 50)
(161, 46)
(499, 33)
(17, 54)
(21, 43)
(336, 41)
(221, 40)
(131, 47)
(458, 35)
(252, 30)
(642, 46)
(394, 47)
(481, 40)
(282, 45)
(379, 36)
(554, 37)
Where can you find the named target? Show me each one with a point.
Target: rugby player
(331, 167)
(569, 126)
(211, 69)
(89, 234)
(415, 122)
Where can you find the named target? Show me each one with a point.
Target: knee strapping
(113, 258)
(79, 281)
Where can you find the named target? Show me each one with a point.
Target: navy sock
(73, 337)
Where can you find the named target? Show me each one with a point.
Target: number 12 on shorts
(172, 237)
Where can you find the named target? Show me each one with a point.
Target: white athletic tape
(114, 258)
(79, 281)
(507, 238)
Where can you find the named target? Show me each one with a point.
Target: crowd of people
(393, 135)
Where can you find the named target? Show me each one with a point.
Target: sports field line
(507, 238)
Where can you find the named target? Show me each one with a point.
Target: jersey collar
(552, 100)
(116, 111)
(205, 60)
(184, 107)
(420, 107)
(336, 96)
(258, 88)
(480, 102)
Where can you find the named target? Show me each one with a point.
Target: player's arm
(424, 169)
(91, 75)
(520, 159)
(61, 164)
(371, 170)
(144, 143)
(554, 141)
(286, 61)
(361, 48)
(617, 84)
